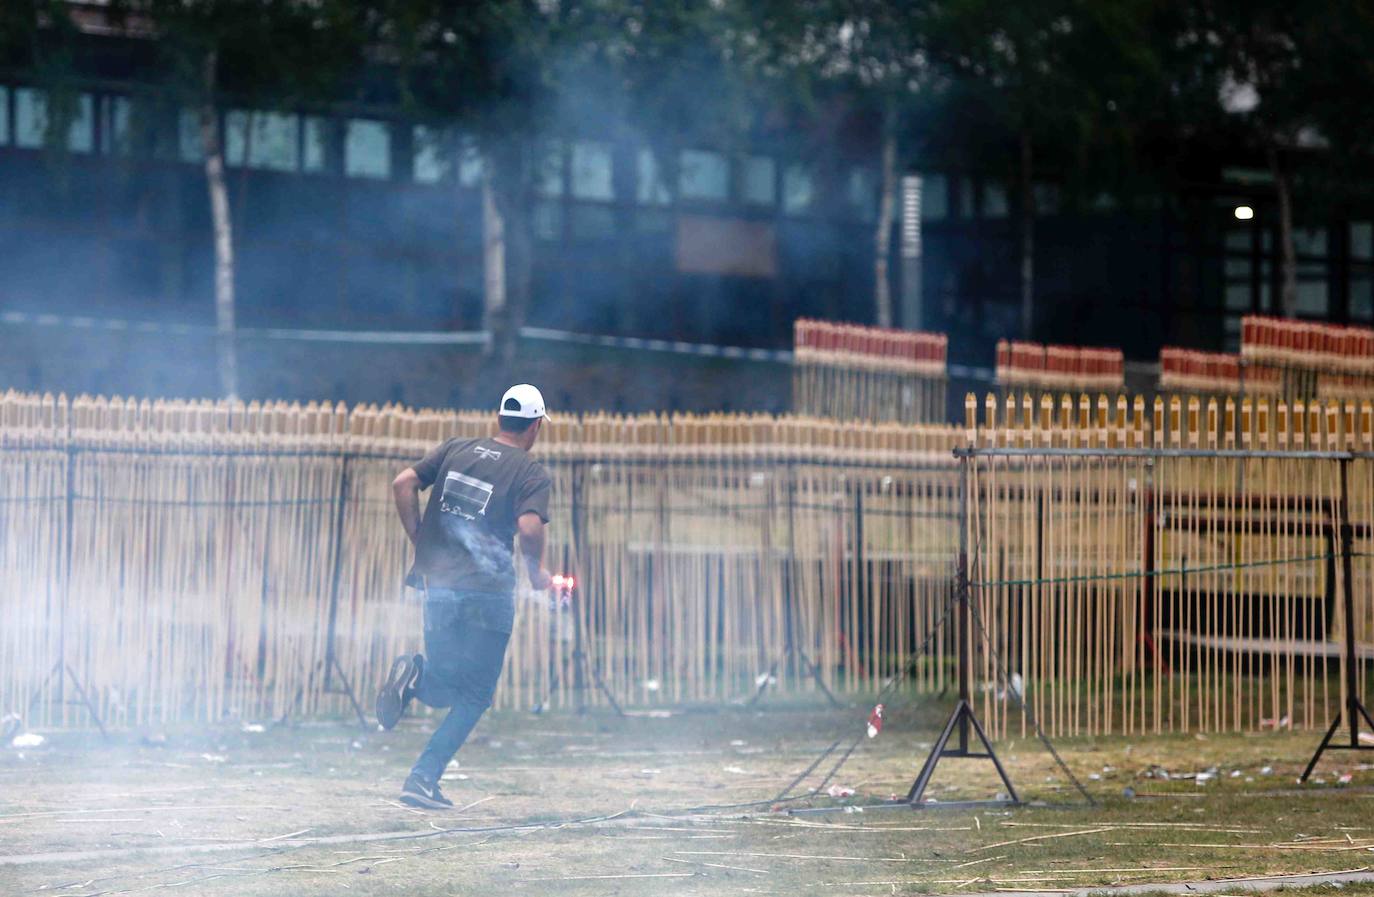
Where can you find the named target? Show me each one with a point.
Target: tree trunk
(509, 185)
(1288, 264)
(493, 260)
(882, 239)
(211, 147)
(1027, 240)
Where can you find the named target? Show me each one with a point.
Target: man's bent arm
(406, 490)
(531, 534)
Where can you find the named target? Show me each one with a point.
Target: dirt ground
(571, 804)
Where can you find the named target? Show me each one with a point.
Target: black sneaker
(410, 692)
(393, 698)
(416, 792)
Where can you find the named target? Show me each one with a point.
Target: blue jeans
(465, 647)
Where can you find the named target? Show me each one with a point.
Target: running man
(488, 492)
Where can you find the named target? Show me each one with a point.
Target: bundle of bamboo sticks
(221, 552)
(1035, 369)
(1308, 359)
(852, 372)
(201, 561)
(1174, 592)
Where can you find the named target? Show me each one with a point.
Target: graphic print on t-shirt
(465, 496)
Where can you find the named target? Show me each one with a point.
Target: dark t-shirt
(481, 487)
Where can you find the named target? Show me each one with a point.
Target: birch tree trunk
(212, 149)
(508, 186)
(493, 260)
(882, 239)
(1288, 262)
(1027, 240)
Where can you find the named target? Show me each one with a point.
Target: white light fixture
(1244, 213)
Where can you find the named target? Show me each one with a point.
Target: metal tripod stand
(1354, 709)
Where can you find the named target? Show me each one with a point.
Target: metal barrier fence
(197, 561)
(1183, 568)
(1178, 567)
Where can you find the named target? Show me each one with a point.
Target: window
(469, 165)
(994, 201)
(367, 149)
(1362, 240)
(4, 115)
(703, 175)
(862, 193)
(934, 198)
(964, 188)
(549, 178)
(760, 180)
(649, 187)
(798, 189)
(188, 136)
(1361, 298)
(591, 171)
(258, 139)
(430, 157)
(318, 138)
(31, 121)
(116, 137)
(1046, 199)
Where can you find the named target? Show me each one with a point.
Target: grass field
(566, 804)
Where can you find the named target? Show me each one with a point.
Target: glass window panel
(316, 143)
(760, 180)
(367, 149)
(934, 197)
(31, 121)
(4, 115)
(117, 136)
(994, 201)
(1312, 298)
(1232, 329)
(470, 165)
(1362, 299)
(703, 175)
(431, 158)
(549, 180)
(188, 136)
(1046, 199)
(235, 136)
(965, 189)
(1237, 268)
(1238, 297)
(81, 135)
(591, 171)
(276, 141)
(649, 186)
(1238, 241)
(798, 189)
(259, 139)
(1362, 239)
(863, 197)
(1309, 241)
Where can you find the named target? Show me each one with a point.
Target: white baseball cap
(522, 400)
